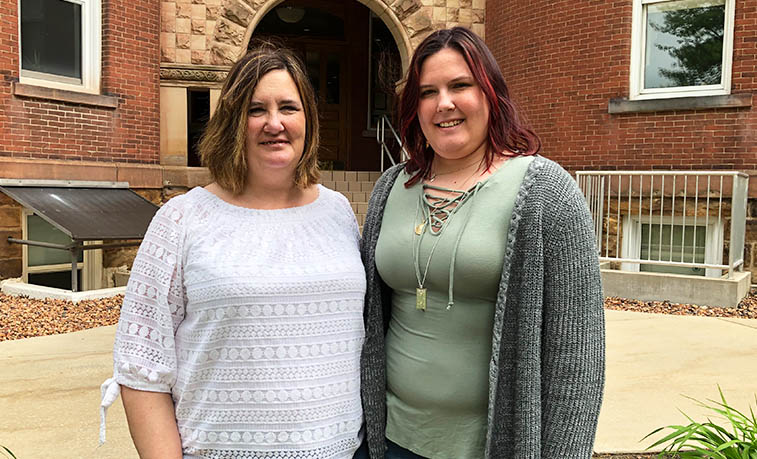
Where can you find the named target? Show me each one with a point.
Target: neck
(271, 192)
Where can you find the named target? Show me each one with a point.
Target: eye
(461, 85)
(427, 92)
(290, 109)
(256, 111)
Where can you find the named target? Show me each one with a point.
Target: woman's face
(453, 111)
(275, 124)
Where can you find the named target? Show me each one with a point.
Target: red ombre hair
(507, 134)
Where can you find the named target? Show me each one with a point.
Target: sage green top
(438, 359)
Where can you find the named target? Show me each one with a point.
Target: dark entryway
(353, 63)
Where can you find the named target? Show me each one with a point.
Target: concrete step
(356, 186)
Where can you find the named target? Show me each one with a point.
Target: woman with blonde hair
(242, 325)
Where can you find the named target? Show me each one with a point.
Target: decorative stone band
(189, 74)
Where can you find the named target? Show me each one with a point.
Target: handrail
(626, 204)
(381, 139)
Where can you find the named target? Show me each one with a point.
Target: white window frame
(713, 239)
(91, 265)
(91, 37)
(638, 47)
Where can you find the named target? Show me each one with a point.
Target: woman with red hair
(484, 322)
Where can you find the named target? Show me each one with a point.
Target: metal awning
(85, 211)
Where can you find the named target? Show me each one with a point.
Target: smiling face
(453, 112)
(275, 125)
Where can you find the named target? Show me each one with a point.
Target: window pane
(51, 37)
(386, 68)
(665, 248)
(59, 279)
(684, 43)
(41, 231)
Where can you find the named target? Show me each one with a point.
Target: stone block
(200, 56)
(10, 268)
(229, 32)
(419, 22)
(360, 197)
(183, 56)
(222, 53)
(168, 17)
(183, 25)
(239, 13)
(8, 249)
(10, 216)
(183, 11)
(198, 12)
(182, 41)
(167, 54)
(119, 257)
(198, 26)
(197, 43)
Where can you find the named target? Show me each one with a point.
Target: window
(681, 48)
(60, 44)
(385, 69)
(52, 267)
(198, 114)
(672, 239)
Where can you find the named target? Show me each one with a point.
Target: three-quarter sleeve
(144, 353)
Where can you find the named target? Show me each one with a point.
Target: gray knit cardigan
(546, 372)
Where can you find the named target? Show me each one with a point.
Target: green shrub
(737, 440)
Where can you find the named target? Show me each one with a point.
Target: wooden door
(327, 69)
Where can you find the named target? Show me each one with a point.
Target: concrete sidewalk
(49, 386)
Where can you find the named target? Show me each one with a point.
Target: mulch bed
(22, 317)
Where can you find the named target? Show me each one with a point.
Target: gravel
(22, 317)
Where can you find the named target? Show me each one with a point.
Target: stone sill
(61, 95)
(623, 105)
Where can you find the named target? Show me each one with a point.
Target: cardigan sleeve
(573, 333)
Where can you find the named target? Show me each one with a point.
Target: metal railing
(381, 132)
(638, 214)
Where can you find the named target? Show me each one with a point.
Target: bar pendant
(420, 299)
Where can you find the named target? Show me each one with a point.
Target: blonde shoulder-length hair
(222, 146)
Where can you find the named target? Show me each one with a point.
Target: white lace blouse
(253, 321)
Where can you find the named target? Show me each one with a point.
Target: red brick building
(79, 99)
(605, 87)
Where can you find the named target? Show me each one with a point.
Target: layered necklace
(436, 213)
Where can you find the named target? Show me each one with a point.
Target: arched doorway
(353, 63)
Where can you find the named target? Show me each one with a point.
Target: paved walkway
(49, 386)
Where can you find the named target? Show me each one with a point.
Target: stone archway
(408, 21)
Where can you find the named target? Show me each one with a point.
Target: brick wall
(50, 128)
(564, 61)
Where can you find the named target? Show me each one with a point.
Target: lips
(275, 142)
(450, 123)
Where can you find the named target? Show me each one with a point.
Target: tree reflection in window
(684, 43)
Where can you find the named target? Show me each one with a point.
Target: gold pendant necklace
(420, 291)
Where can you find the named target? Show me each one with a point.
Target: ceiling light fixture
(290, 14)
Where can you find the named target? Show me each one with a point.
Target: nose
(445, 102)
(273, 124)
